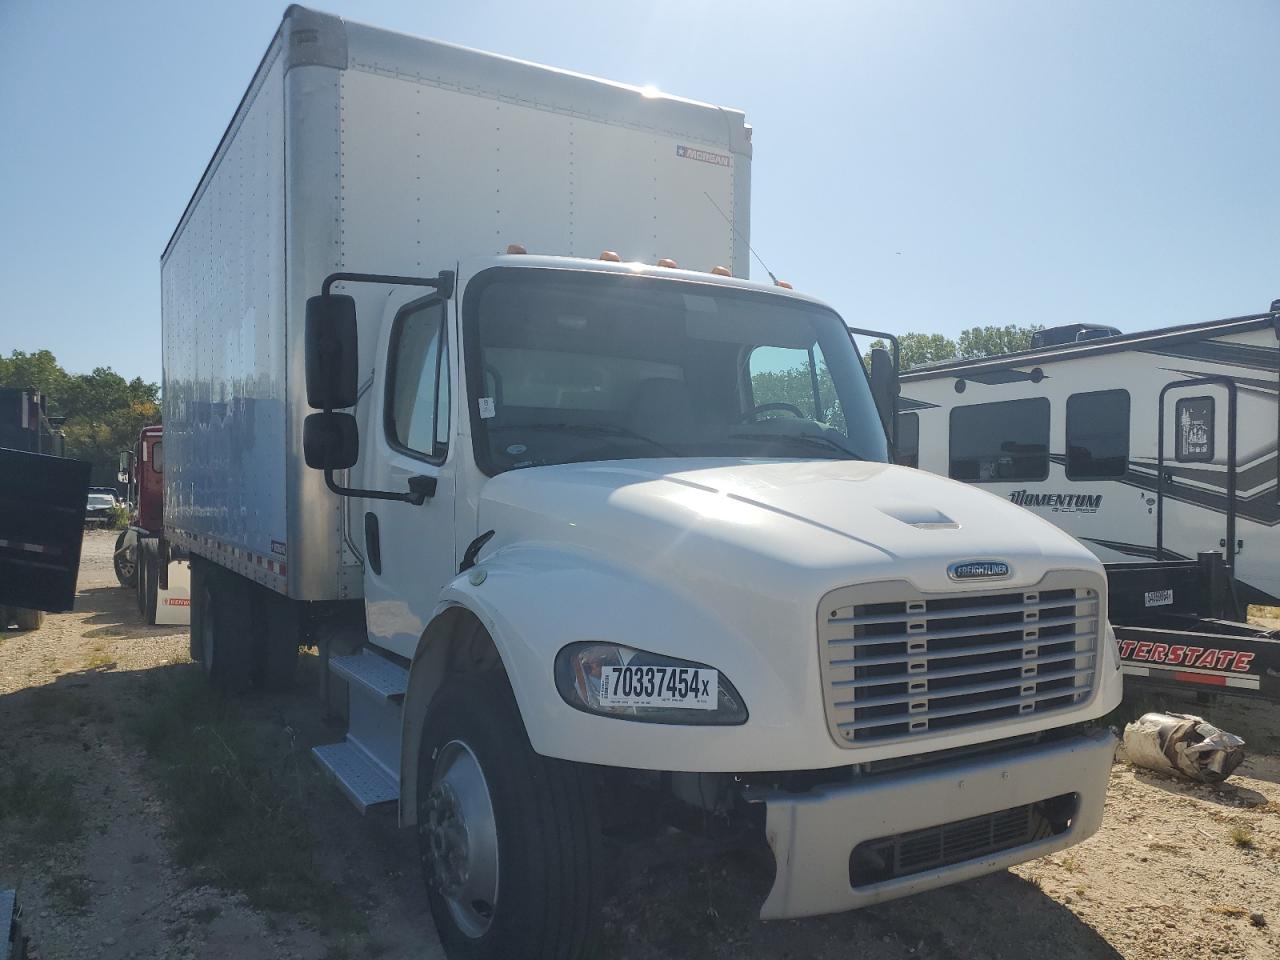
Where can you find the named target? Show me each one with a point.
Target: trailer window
(157, 458)
(1097, 435)
(908, 446)
(417, 404)
(1193, 435)
(993, 442)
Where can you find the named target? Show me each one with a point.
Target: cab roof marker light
(610, 256)
(516, 248)
(720, 271)
(668, 263)
(784, 284)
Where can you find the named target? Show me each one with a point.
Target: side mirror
(884, 388)
(331, 353)
(330, 441)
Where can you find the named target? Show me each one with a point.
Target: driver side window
(417, 403)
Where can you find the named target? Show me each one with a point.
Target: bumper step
(377, 675)
(366, 783)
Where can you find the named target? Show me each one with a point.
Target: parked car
(99, 506)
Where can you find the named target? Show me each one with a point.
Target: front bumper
(813, 834)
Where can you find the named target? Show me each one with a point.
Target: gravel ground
(1177, 871)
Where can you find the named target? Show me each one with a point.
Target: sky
(921, 165)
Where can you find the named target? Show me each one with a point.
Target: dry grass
(1242, 837)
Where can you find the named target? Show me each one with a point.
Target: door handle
(372, 543)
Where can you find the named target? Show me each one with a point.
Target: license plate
(690, 688)
(1159, 598)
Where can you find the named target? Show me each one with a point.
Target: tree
(917, 349)
(103, 411)
(989, 341)
(37, 370)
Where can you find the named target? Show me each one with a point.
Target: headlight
(616, 681)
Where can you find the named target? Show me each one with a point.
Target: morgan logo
(978, 570)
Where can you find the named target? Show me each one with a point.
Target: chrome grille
(899, 664)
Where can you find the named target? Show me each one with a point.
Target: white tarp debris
(1183, 744)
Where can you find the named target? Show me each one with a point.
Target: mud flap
(173, 603)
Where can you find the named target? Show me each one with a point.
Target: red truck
(144, 559)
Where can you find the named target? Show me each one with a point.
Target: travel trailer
(1151, 448)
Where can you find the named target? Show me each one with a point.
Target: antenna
(741, 237)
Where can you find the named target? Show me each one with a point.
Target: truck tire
(27, 619)
(151, 595)
(140, 585)
(522, 829)
(278, 626)
(226, 647)
(195, 635)
(126, 566)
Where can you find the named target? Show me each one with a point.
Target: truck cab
(659, 505)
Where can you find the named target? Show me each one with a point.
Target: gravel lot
(1177, 871)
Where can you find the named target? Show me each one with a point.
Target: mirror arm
(420, 488)
(442, 284)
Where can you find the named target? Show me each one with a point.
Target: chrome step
(366, 783)
(377, 675)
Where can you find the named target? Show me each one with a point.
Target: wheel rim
(462, 839)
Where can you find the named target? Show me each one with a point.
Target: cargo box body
(359, 149)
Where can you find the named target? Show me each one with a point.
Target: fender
(533, 599)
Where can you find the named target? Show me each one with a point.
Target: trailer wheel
(27, 619)
(126, 566)
(509, 840)
(225, 642)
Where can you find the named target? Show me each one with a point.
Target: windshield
(578, 366)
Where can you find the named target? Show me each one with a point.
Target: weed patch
(1242, 837)
(239, 801)
(70, 891)
(43, 806)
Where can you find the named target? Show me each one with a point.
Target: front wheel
(509, 839)
(125, 559)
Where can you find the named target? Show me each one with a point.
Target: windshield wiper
(824, 442)
(593, 429)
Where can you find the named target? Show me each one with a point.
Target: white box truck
(592, 537)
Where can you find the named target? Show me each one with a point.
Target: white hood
(831, 522)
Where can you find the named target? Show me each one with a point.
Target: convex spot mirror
(330, 441)
(331, 352)
(884, 385)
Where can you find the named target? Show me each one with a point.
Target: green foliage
(103, 411)
(795, 386)
(918, 349)
(989, 341)
(241, 800)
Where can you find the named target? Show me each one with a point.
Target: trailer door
(1196, 470)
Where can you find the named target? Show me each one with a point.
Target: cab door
(409, 549)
